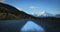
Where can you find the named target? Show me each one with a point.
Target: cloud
(20, 9)
(2, 0)
(33, 7)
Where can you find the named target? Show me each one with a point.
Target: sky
(35, 6)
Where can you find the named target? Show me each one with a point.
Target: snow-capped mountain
(43, 14)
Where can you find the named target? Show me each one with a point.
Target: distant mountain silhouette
(8, 12)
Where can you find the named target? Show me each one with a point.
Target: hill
(8, 12)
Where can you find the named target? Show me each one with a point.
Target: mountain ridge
(12, 13)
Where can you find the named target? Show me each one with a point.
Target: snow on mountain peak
(43, 14)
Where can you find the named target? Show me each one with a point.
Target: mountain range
(45, 14)
(8, 12)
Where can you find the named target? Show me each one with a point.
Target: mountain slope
(8, 12)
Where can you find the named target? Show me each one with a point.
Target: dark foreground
(16, 25)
